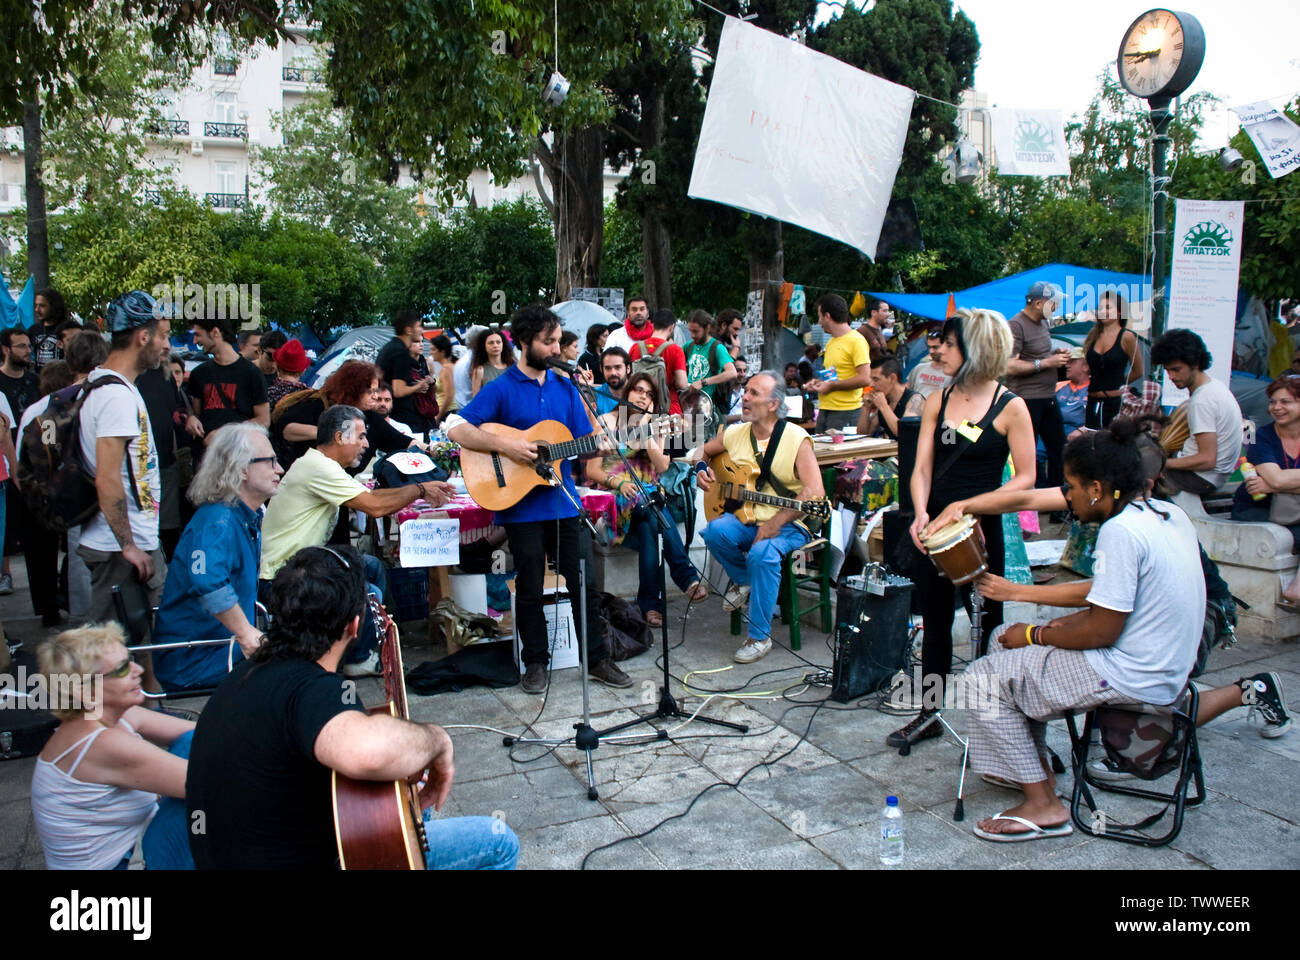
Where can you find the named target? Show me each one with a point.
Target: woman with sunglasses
(636, 521)
(967, 432)
(97, 783)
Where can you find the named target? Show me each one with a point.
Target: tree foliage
(315, 177)
(478, 266)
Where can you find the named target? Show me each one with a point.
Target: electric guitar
(379, 825)
(496, 482)
(733, 491)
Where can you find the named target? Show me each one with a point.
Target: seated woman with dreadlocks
(1135, 643)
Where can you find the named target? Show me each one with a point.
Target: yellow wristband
(1029, 634)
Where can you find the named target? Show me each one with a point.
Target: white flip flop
(1035, 832)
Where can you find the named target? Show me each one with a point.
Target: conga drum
(958, 550)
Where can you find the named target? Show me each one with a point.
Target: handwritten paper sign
(794, 134)
(430, 542)
(1275, 135)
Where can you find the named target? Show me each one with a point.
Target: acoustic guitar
(733, 491)
(379, 825)
(496, 482)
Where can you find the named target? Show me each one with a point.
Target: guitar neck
(781, 503)
(573, 448)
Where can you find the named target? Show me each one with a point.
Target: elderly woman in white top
(97, 783)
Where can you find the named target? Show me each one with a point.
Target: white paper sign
(794, 134)
(429, 542)
(1030, 143)
(1203, 281)
(1275, 135)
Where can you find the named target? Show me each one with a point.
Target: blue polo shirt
(214, 568)
(517, 400)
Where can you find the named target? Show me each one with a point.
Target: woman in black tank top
(967, 433)
(1110, 368)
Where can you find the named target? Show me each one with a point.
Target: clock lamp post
(1159, 57)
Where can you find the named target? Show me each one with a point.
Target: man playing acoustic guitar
(752, 553)
(545, 522)
(258, 785)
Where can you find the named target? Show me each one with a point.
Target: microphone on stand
(559, 364)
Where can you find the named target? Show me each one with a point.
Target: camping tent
(1078, 285)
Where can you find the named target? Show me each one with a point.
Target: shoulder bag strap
(765, 477)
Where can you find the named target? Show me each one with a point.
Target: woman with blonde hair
(96, 786)
(967, 432)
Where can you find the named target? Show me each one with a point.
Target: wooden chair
(805, 570)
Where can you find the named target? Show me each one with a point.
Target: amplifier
(871, 621)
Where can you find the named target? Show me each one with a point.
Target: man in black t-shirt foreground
(258, 786)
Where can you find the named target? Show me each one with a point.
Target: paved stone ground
(815, 806)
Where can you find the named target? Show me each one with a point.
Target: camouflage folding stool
(1148, 743)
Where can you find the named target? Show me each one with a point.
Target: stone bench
(1256, 561)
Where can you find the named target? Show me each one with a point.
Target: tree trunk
(767, 273)
(576, 171)
(656, 242)
(38, 247)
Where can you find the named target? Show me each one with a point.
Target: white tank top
(86, 826)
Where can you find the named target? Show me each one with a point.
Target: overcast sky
(1049, 53)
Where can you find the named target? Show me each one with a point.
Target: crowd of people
(260, 559)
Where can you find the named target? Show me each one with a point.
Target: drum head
(946, 536)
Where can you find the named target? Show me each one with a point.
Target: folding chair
(137, 622)
(1148, 742)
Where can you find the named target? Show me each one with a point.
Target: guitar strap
(765, 477)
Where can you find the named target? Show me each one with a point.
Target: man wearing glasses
(211, 588)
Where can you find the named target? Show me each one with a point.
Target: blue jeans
(377, 586)
(755, 564)
(166, 842)
(641, 538)
(469, 843)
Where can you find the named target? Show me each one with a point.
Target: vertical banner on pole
(1203, 281)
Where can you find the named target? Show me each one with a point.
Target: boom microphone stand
(668, 708)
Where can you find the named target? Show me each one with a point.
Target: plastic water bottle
(891, 833)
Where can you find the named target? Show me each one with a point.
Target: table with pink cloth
(476, 522)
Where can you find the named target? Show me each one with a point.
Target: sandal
(1034, 831)
(696, 592)
(654, 618)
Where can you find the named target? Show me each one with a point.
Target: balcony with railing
(232, 131)
(225, 67)
(303, 75)
(227, 201)
(170, 128)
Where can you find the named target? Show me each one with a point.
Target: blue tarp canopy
(1007, 296)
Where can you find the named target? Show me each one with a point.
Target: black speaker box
(870, 638)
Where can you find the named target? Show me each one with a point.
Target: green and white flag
(1030, 143)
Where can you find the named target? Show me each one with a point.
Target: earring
(1092, 502)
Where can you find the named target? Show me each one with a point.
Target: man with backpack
(662, 359)
(709, 367)
(120, 542)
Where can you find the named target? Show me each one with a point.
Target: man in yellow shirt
(848, 368)
(751, 554)
(315, 487)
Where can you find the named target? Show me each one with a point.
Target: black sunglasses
(270, 459)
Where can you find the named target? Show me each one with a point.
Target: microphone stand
(668, 707)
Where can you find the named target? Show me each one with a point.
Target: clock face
(1151, 53)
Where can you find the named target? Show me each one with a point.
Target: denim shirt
(213, 569)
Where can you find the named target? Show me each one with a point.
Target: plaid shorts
(1011, 694)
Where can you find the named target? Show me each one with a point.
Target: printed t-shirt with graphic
(698, 365)
(227, 394)
(119, 411)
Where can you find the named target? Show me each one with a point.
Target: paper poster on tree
(1203, 281)
(794, 134)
